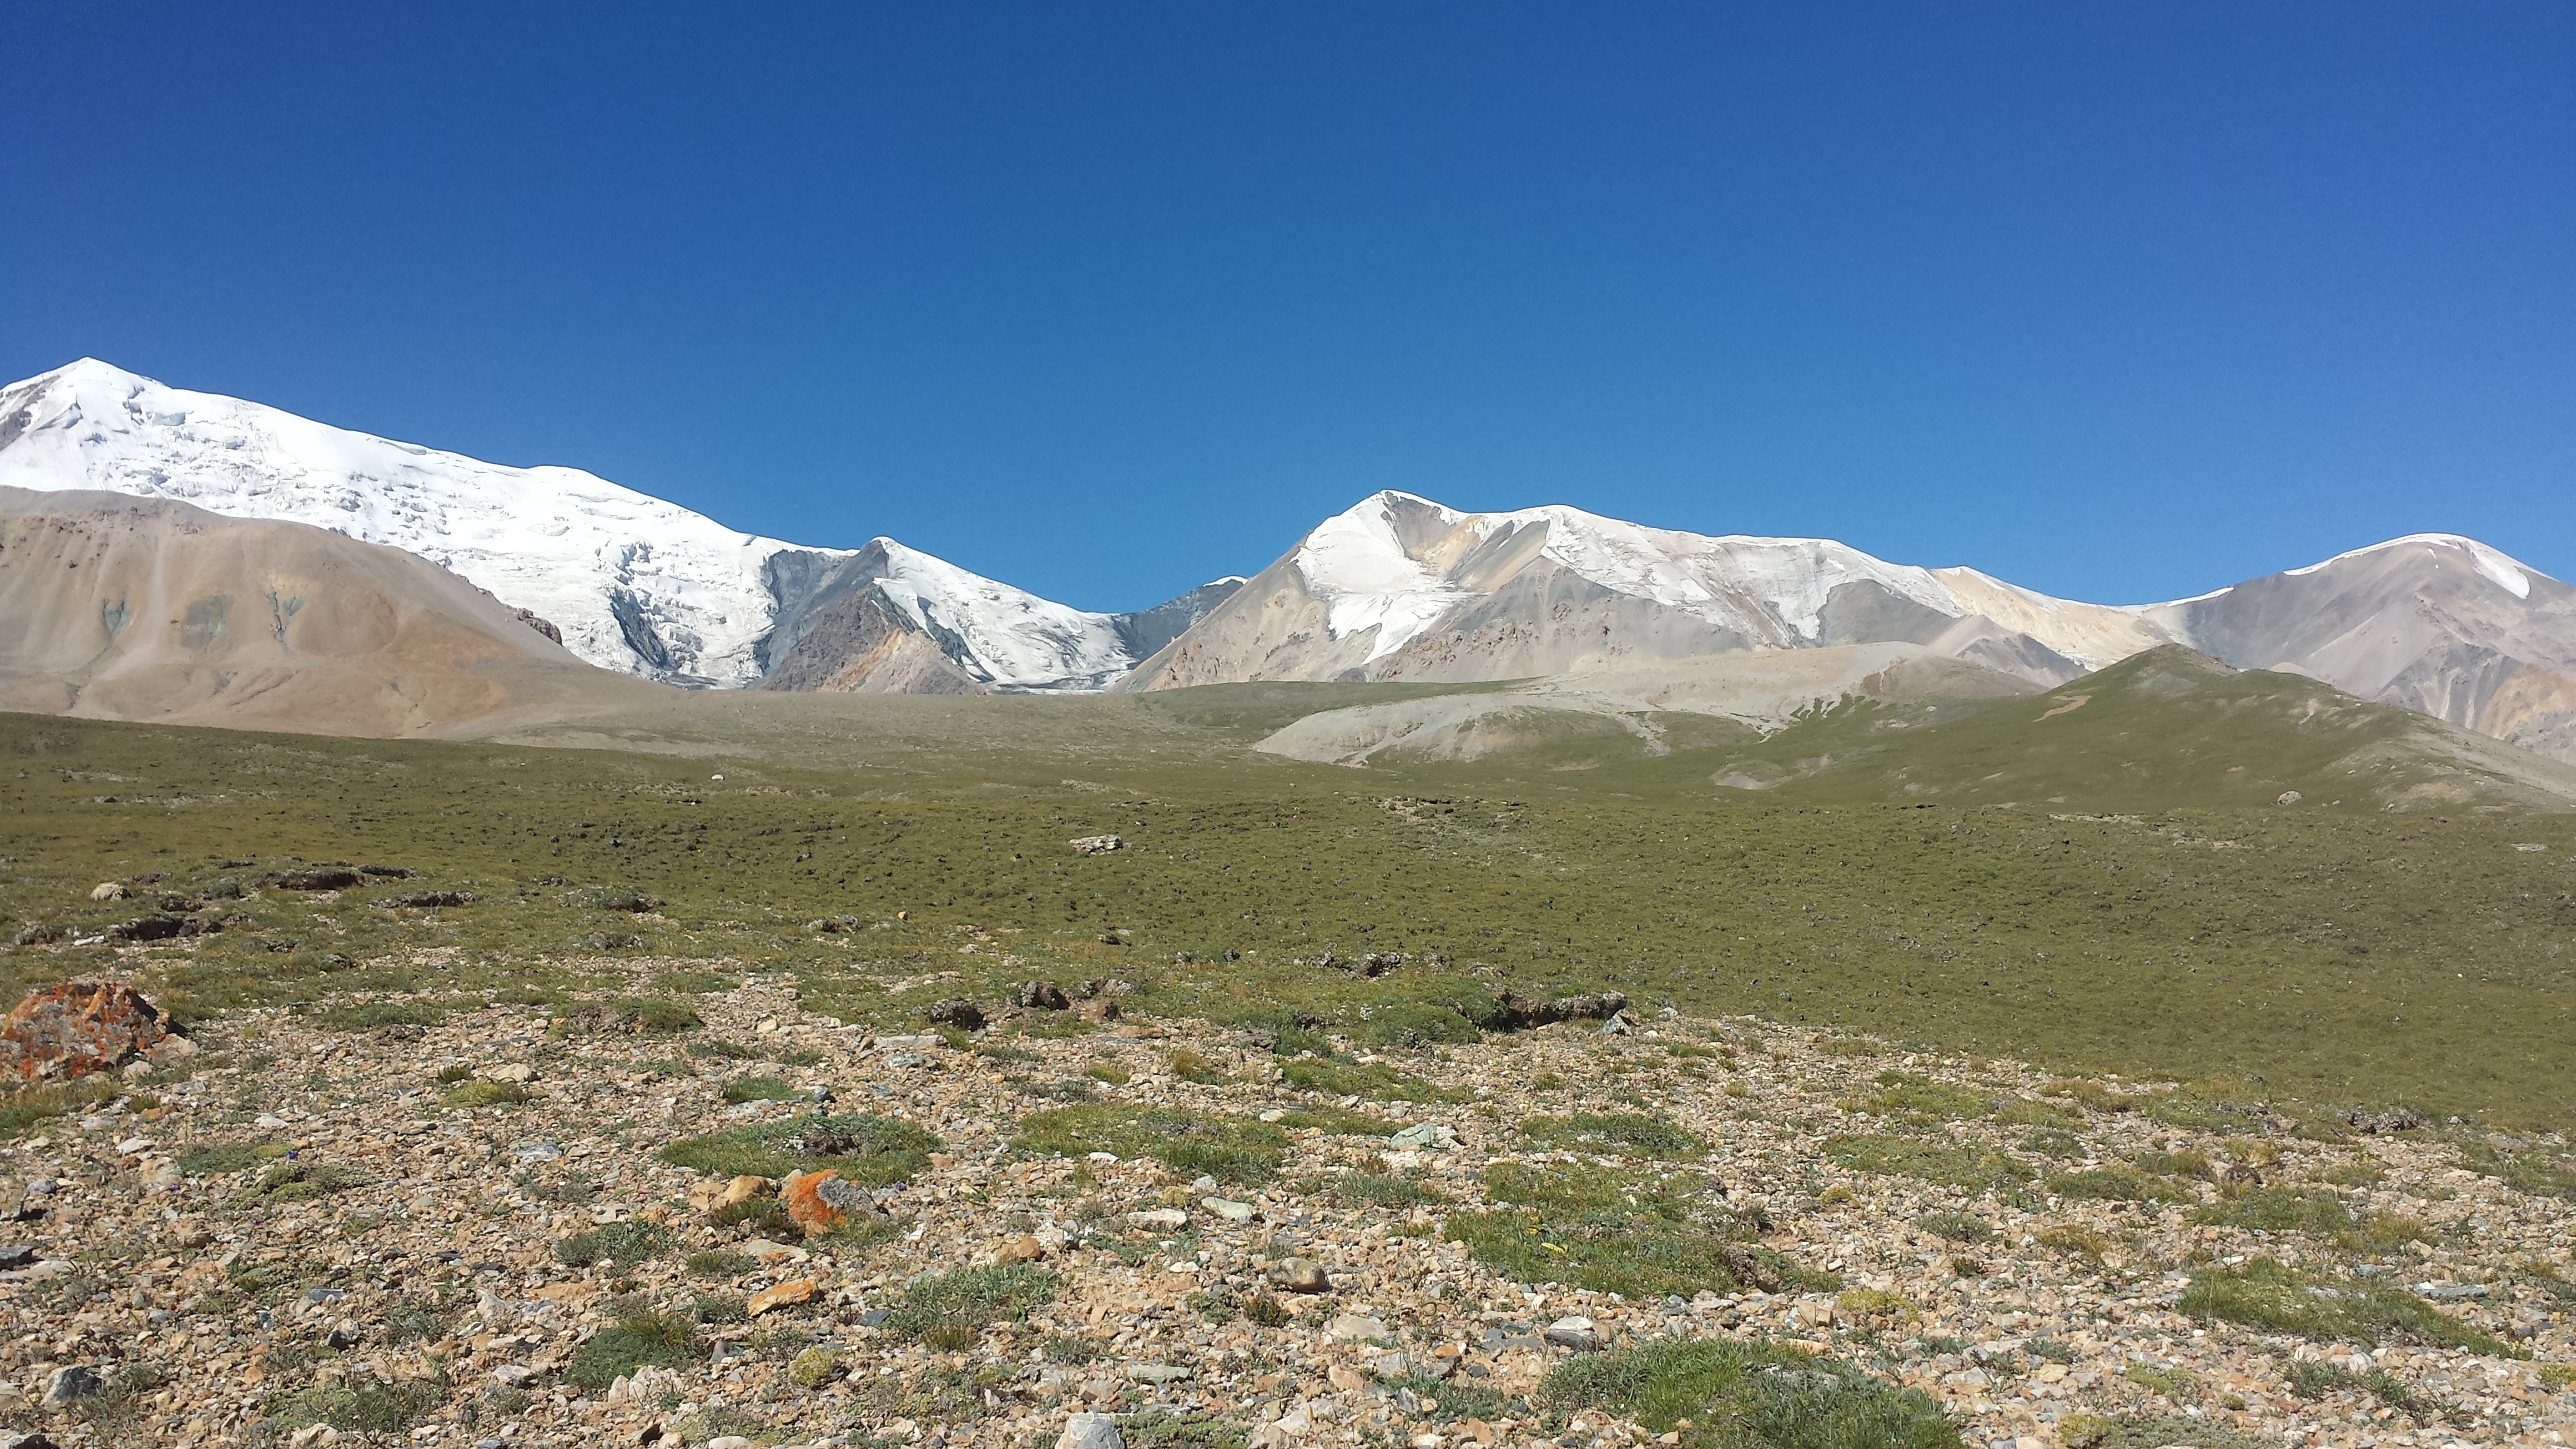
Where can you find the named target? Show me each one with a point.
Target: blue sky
(2120, 302)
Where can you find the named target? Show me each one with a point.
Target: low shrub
(1735, 1395)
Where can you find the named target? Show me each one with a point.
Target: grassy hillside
(2331, 955)
(2165, 730)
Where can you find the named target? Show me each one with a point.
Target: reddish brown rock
(822, 1201)
(794, 1290)
(79, 1027)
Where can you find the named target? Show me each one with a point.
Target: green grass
(1370, 1190)
(1951, 1164)
(624, 1244)
(363, 1405)
(2118, 1184)
(864, 1148)
(1630, 1134)
(2335, 955)
(950, 1311)
(2263, 1294)
(1373, 1081)
(1965, 1228)
(215, 1158)
(1907, 1094)
(2316, 1212)
(1633, 1233)
(304, 1180)
(637, 1335)
(756, 1089)
(1748, 1396)
(484, 1094)
(1228, 1148)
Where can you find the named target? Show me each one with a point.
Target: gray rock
(1355, 1328)
(536, 1149)
(344, 1335)
(1232, 1212)
(1157, 1373)
(69, 1385)
(1573, 1331)
(16, 1255)
(1097, 845)
(2451, 1292)
(1164, 1219)
(1425, 1134)
(1090, 1431)
(36, 1440)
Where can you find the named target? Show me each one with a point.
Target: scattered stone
(519, 1072)
(1425, 1134)
(1528, 1011)
(781, 1295)
(646, 1385)
(311, 880)
(1040, 996)
(1301, 1275)
(1157, 1373)
(313, 1436)
(1228, 1211)
(80, 1027)
(1169, 1220)
(1097, 844)
(823, 1201)
(2394, 1119)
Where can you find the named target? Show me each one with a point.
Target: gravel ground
(280, 1227)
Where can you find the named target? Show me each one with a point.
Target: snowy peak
(1399, 564)
(635, 583)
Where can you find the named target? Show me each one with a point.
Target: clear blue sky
(2121, 302)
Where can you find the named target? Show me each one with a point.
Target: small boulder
(1355, 1328)
(1301, 1275)
(1575, 1332)
(1040, 996)
(79, 1027)
(1090, 1431)
(814, 1368)
(69, 1385)
(780, 1295)
(1097, 844)
(1167, 1220)
(823, 1201)
(107, 890)
(961, 1014)
(1022, 1249)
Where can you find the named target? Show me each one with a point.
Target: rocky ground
(464, 1233)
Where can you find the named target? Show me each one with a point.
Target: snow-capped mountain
(1402, 588)
(634, 583)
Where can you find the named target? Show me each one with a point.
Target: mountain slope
(2166, 729)
(2433, 622)
(1399, 588)
(147, 609)
(637, 584)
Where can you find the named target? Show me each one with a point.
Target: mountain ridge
(637, 584)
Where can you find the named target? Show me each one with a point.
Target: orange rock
(78, 1028)
(822, 1201)
(794, 1290)
(1022, 1249)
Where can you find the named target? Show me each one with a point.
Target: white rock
(1087, 1431)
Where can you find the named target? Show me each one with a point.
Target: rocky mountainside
(148, 609)
(636, 584)
(1400, 588)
